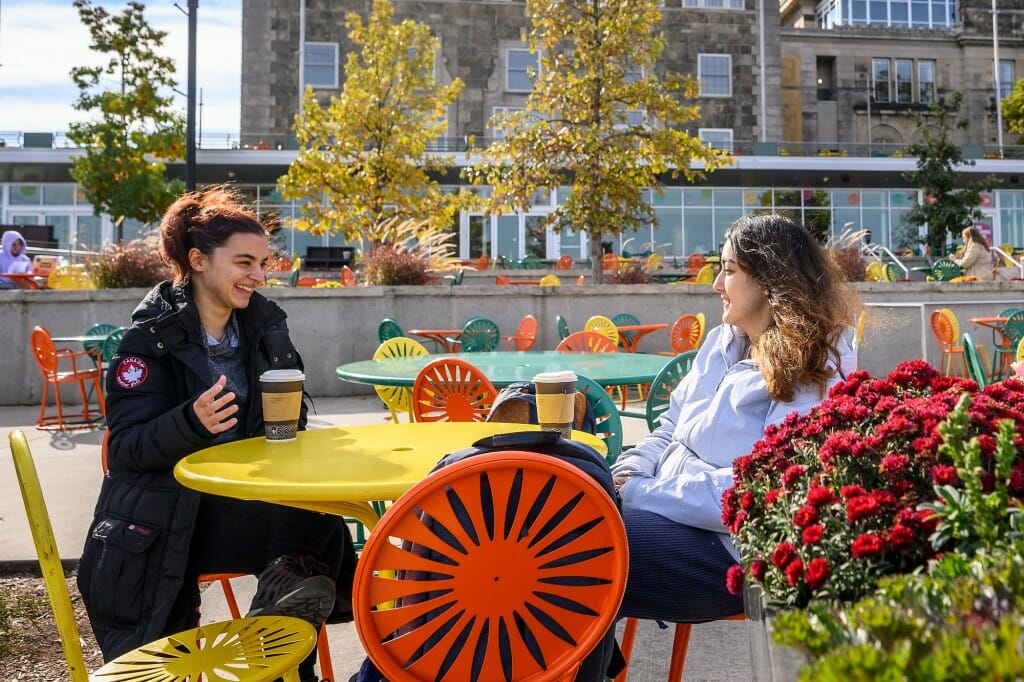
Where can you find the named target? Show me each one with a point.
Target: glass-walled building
(690, 219)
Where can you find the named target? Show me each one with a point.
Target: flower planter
(770, 662)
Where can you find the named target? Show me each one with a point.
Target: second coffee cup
(556, 401)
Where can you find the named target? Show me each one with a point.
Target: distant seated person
(13, 258)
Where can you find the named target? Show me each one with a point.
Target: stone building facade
(828, 74)
(476, 37)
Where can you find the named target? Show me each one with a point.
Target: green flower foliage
(363, 158)
(961, 617)
(597, 68)
(134, 129)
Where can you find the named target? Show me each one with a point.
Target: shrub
(132, 264)
(634, 273)
(392, 265)
(410, 259)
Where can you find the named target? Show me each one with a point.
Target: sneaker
(294, 585)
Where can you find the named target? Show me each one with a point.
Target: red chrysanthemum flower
(818, 571)
(783, 553)
(861, 507)
(758, 569)
(820, 496)
(867, 546)
(893, 465)
(793, 474)
(734, 579)
(850, 491)
(901, 537)
(812, 535)
(795, 571)
(805, 516)
(944, 474)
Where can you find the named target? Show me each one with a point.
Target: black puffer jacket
(136, 552)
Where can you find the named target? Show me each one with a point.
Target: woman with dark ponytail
(185, 377)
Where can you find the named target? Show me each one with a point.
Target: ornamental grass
(828, 503)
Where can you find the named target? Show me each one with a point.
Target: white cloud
(41, 40)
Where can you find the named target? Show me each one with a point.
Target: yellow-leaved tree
(599, 120)
(364, 158)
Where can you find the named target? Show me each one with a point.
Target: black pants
(676, 574)
(239, 536)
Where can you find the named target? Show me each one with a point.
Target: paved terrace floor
(70, 477)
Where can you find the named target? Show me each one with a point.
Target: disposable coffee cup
(282, 403)
(556, 401)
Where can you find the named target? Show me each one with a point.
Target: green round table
(507, 367)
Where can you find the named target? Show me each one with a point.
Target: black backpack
(550, 443)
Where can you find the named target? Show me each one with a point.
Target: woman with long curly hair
(785, 337)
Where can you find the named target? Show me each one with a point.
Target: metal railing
(228, 140)
(873, 250)
(1017, 262)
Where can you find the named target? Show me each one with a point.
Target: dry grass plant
(410, 259)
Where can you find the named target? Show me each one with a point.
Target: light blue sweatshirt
(716, 414)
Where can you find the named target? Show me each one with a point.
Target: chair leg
(323, 656)
(680, 644)
(628, 637)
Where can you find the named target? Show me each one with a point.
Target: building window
(914, 13)
(496, 132)
(714, 4)
(880, 80)
(926, 81)
(714, 72)
(717, 138)
(517, 76)
(1006, 78)
(904, 81)
(320, 65)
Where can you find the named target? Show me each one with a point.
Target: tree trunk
(596, 257)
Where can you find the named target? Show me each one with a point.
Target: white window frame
(1007, 68)
(875, 61)
(499, 133)
(926, 88)
(908, 82)
(508, 67)
(716, 57)
(307, 63)
(721, 134)
(714, 4)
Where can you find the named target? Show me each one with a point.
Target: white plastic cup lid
(555, 377)
(272, 375)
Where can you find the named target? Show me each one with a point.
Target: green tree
(134, 129)
(580, 126)
(1013, 110)
(951, 203)
(815, 215)
(364, 158)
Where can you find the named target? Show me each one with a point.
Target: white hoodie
(9, 263)
(716, 414)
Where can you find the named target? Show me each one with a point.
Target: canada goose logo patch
(132, 372)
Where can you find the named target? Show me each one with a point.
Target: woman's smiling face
(744, 299)
(229, 275)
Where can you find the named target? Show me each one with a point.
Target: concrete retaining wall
(334, 326)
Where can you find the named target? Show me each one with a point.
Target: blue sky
(41, 40)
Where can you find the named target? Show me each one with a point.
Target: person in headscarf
(13, 258)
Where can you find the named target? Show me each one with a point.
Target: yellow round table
(338, 470)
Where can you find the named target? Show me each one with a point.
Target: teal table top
(507, 367)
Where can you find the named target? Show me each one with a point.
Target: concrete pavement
(70, 474)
